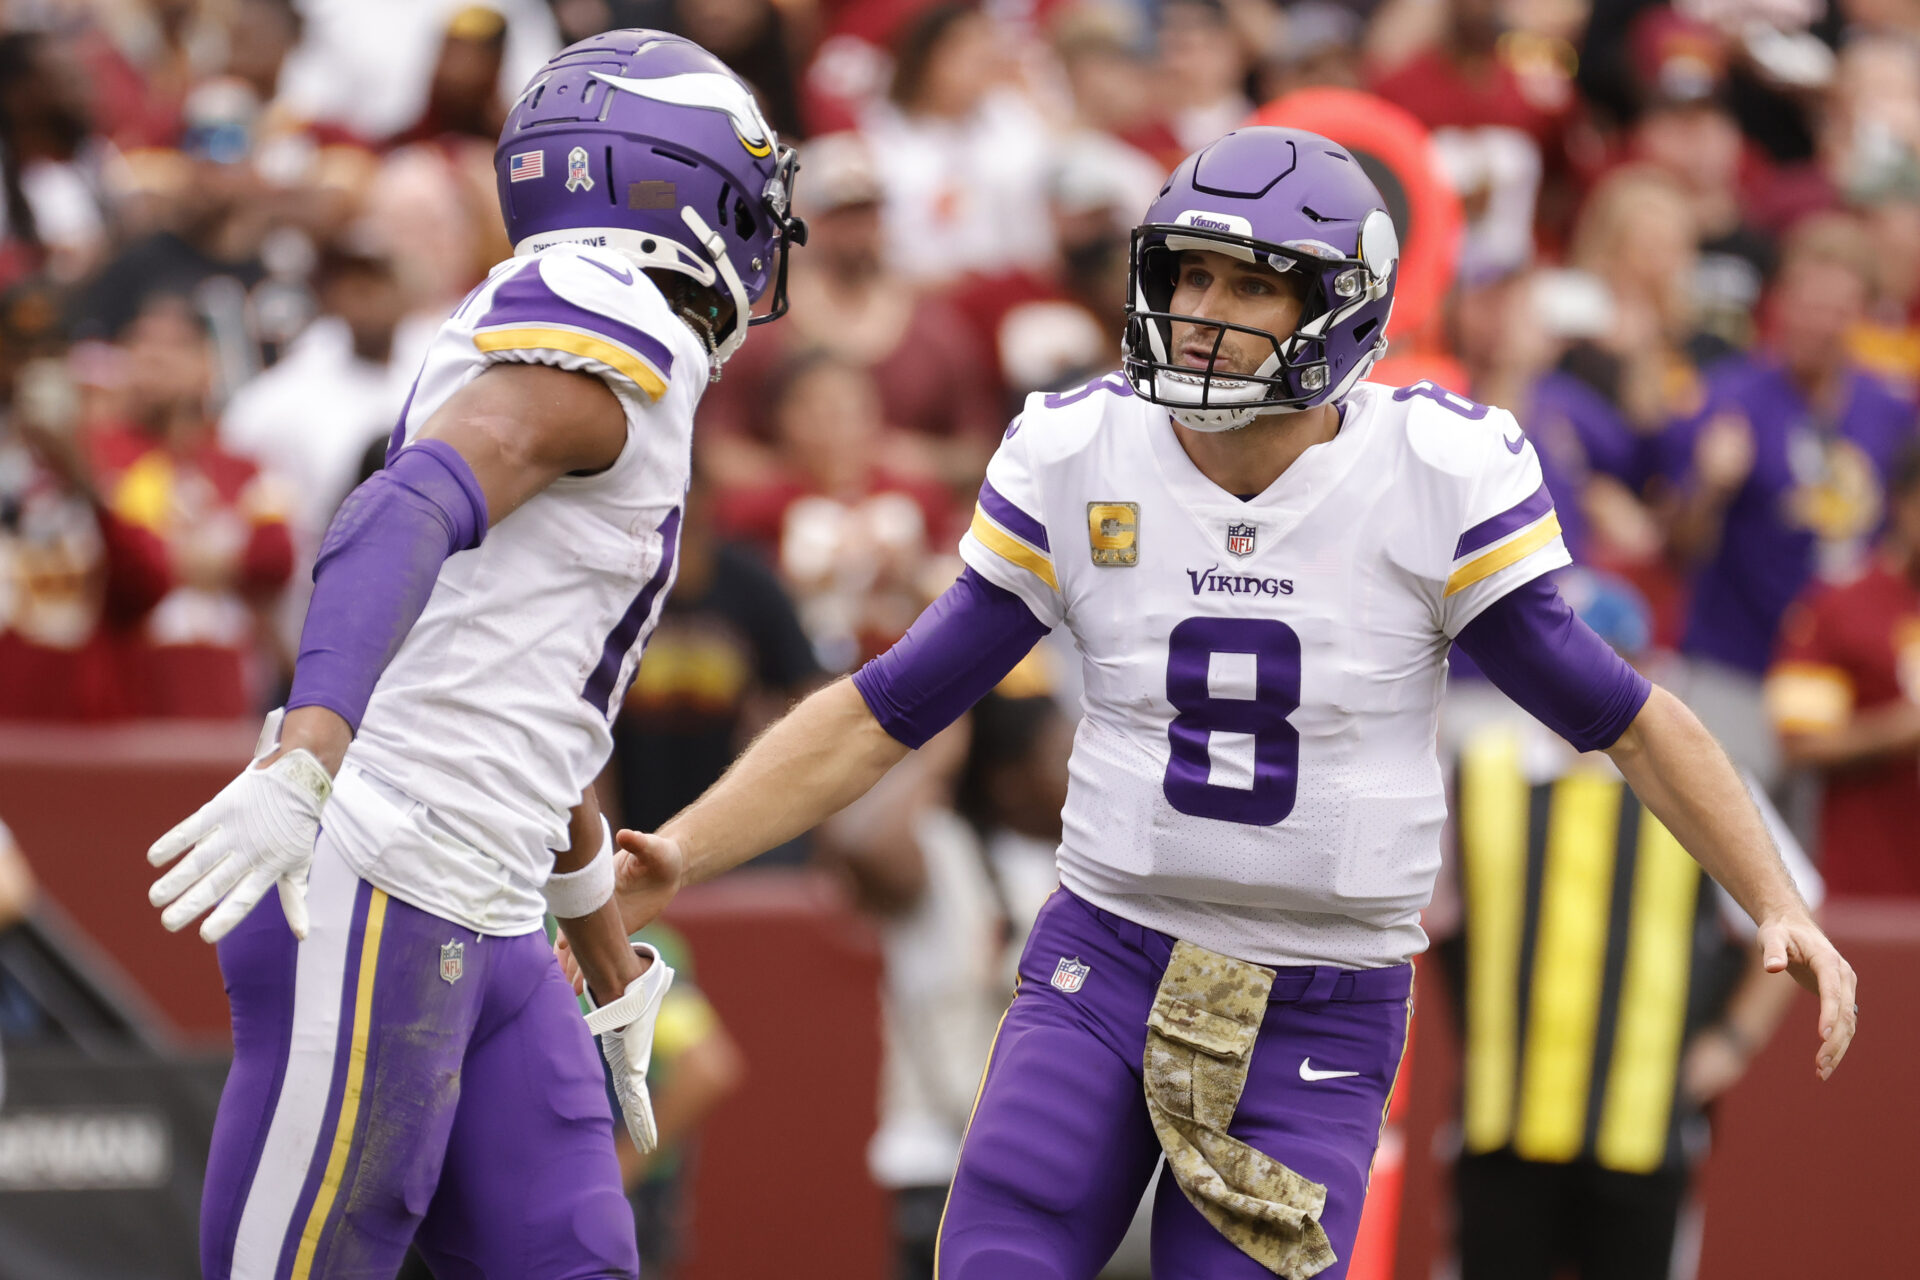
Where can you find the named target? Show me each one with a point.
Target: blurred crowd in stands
(1681, 243)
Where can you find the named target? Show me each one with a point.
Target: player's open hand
(1797, 946)
(647, 871)
(257, 834)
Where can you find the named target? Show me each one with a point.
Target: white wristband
(574, 894)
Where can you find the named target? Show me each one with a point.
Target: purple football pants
(1060, 1148)
(398, 1076)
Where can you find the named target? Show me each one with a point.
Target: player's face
(1214, 286)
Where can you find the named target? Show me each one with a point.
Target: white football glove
(625, 1030)
(257, 833)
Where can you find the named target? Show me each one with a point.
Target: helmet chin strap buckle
(716, 248)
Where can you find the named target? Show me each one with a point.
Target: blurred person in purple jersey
(409, 1064)
(1779, 477)
(1264, 560)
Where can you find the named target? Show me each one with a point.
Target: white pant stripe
(294, 1137)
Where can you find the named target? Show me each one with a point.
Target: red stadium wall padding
(1806, 1176)
(85, 804)
(781, 1185)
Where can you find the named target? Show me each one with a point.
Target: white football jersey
(496, 712)
(1255, 769)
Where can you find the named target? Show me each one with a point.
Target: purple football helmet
(1286, 199)
(646, 143)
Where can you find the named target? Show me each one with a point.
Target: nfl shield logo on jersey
(453, 961)
(1068, 975)
(1240, 538)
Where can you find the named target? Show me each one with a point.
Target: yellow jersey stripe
(1534, 537)
(1569, 969)
(1493, 812)
(575, 343)
(1011, 549)
(350, 1095)
(1636, 1107)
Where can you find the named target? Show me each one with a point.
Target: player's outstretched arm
(833, 747)
(1543, 657)
(1682, 776)
(495, 443)
(822, 756)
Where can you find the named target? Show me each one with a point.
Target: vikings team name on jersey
(1215, 582)
(1254, 776)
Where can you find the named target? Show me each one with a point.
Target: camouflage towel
(1200, 1037)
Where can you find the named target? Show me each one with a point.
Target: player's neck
(1252, 458)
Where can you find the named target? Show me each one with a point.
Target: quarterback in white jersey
(410, 1064)
(1264, 561)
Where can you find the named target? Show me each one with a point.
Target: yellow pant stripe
(1653, 1005)
(1570, 949)
(350, 1095)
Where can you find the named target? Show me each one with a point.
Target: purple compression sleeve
(964, 644)
(376, 568)
(1532, 646)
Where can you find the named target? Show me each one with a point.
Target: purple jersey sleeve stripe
(1531, 645)
(1516, 517)
(1011, 518)
(954, 654)
(526, 301)
(620, 640)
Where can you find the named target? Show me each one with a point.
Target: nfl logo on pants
(452, 961)
(1240, 538)
(1069, 974)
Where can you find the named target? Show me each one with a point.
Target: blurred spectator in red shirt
(1845, 697)
(75, 579)
(1497, 124)
(850, 536)
(1056, 329)
(223, 522)
(53, 187)
(934, 380)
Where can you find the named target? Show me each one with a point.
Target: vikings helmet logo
(711, 90)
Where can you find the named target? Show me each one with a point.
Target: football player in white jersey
(415, 1064)
(1264, 561)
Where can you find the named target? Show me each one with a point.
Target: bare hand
(1723, 455)
(1796, 945)
(647, 871)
